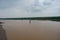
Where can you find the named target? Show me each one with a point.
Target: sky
(27, 8)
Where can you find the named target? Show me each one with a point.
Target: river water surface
(36, 30)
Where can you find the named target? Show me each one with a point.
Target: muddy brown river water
(37, 30)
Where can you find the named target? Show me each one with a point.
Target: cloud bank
(18, 8)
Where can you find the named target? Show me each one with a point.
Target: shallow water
(37, 30)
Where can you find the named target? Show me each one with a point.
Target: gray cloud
(17, 8)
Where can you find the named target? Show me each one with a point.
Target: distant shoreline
(34, 18)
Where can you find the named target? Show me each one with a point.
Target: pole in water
(29, 21)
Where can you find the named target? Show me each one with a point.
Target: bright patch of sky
(26, 8)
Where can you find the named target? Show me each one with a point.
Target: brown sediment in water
(37, 30)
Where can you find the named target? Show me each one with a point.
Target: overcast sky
(22, 8)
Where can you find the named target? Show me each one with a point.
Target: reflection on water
(37, 30)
